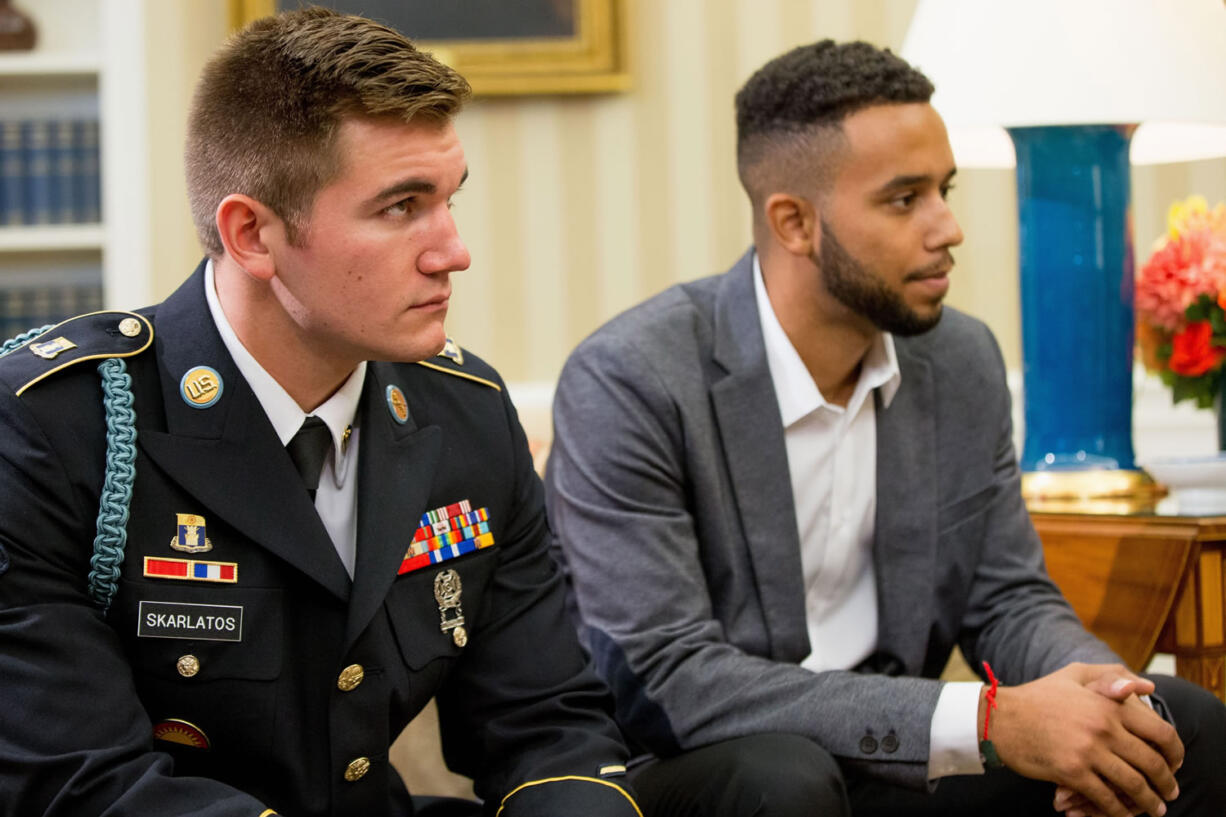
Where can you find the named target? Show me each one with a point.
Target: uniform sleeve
(568, 795)
(74, 738)
(523, 713)
(621, 506)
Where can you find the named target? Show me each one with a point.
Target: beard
(864, 292)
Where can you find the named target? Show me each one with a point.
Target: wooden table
(1146, 583)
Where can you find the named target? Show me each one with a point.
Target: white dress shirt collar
(795, 390)
(337, 412)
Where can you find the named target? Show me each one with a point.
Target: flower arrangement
(1181, 302)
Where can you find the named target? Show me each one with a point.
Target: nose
(945, 232)
(447, 253)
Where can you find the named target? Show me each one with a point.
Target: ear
(793, 222)
(247, 229)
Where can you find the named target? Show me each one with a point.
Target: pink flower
(1188, 263)
(1179, 271)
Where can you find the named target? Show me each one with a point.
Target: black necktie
(308, 449)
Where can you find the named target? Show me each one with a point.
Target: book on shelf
(36, 161)
(63, 172)
(12, 176)
(49, 172)
(87, 190)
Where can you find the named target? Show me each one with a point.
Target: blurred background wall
(578, 207)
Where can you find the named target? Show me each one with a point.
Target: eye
(903, 201)
(400, 208)
(945, 191)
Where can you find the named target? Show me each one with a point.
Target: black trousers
(790, 776)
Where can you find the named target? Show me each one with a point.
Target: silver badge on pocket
(447, 591)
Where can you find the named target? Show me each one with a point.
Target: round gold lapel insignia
(129, 327)
(201, 387)
(397, 405)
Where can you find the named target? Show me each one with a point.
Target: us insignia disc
(397, 405)
(200, 387)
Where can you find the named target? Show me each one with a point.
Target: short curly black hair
(793, 97)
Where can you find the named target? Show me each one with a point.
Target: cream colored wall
(580, 207)
(181, 36)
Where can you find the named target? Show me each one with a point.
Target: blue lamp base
(1077, 306)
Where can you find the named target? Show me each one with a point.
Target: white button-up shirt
(832, 462)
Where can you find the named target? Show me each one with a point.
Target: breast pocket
(209, 656)
(434, 610)
(964, 510)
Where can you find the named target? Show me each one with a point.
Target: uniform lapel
(395, 472)
(904, 549)
(751, 431)
(227, 456)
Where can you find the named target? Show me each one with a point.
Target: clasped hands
(1085, 729)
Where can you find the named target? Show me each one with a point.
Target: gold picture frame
(593, 60)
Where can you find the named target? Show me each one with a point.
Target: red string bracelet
(990, 697)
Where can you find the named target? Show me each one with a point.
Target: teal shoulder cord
(112, 524)
(12, 343)
(116, 494)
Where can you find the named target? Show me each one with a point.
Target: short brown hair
(269, 105)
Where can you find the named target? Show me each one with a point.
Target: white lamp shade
(1002, 63)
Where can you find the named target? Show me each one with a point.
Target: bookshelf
(51, 238)
(89, 65)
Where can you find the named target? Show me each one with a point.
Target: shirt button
(868, 744)
(889, 744)
(350, 677)
(357, 769)
(188, 665)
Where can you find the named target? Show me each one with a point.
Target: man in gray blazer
(773, 612)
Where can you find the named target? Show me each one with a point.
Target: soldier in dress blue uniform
(247, 534)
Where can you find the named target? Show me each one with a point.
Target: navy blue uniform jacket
(81, 692)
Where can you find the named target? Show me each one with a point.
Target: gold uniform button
(188, 666)
(357, 769)
(350, 677)
(129, 327)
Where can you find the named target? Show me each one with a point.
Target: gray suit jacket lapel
(904, 549)
(751, 431)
